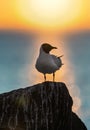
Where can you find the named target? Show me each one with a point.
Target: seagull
(47, 63)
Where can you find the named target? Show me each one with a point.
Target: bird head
(47, 47)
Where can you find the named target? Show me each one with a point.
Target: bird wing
(57, 61)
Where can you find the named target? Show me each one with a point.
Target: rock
(77, 124)
(45, 106)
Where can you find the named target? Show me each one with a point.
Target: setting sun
(52, 13)
(44, 15)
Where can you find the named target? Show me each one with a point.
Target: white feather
(47, 63)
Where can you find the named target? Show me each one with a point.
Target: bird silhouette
(47, 63)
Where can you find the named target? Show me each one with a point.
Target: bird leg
(53, 77)
(45, 77)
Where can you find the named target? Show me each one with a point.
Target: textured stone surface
(45, 106)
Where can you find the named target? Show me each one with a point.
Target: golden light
(64, 74)
(50, 13)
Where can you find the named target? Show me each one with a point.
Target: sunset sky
(45, 14)
(26, 24)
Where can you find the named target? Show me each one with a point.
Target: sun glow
(42, 15)
(50, 13)
(65, 74)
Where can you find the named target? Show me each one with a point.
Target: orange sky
(15, 14)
